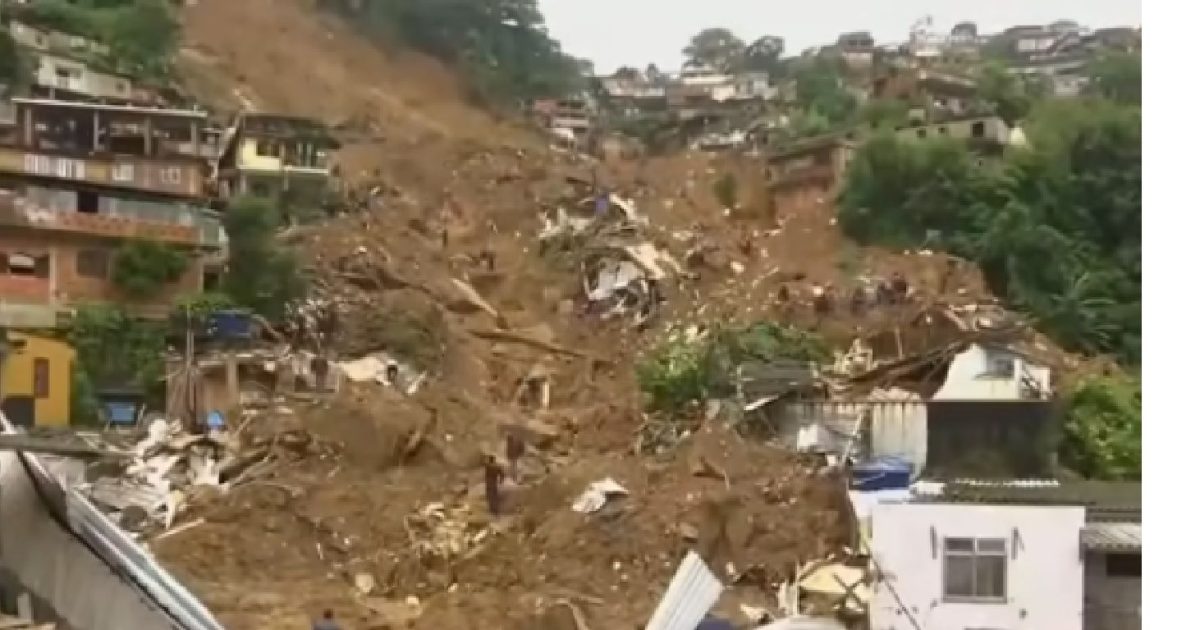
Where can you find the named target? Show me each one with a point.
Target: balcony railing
(182, 225)
(177, 177)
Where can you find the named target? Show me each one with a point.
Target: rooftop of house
(811, 145)
(1106, 501)
(50, 104)
(286, 127)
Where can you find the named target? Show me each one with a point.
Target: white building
(1009, 555)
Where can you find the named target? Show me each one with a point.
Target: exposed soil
(356, 501)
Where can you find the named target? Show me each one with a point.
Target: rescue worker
(492, 474)
(326, 622)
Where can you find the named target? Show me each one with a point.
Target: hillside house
(77, 181)
(65, 69)
(986, 134)
(35, 380)
(985, 551)
(857, 49)
(817, 163)
(285, 159)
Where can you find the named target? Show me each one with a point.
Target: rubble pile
(149, 489)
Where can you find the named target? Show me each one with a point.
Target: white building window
(975, 569)
(1000, 365)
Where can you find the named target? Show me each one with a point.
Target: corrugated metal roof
(692, 593)
(1112, 536)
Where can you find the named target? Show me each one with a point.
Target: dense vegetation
(141, 34)
(261, 275)
(684, 370)
(501, 46)
(1103, 428)
(143, 268)
(1055, 227)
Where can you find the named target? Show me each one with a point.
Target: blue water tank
(231, 325)
(883, 473)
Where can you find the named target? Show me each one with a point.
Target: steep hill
(358, 503)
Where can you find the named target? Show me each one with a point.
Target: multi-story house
(80, 180)
(65, 67)
(284, 159)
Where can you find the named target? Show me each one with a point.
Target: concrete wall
(69, 288)
(61, 73)
(1110, 602)
(17, 377)
(971, 378)
(1044, 570)
(60, 571)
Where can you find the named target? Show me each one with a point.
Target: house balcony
(167, 223)
(177, 177)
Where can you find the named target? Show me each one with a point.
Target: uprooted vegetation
(693, 365)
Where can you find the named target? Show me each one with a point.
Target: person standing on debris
(899, 287)
(326, 622)
(514, 448)
(392, 373)
(601, 203)
(492, 474)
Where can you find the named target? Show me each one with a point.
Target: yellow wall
(16, 377)
(249, 159)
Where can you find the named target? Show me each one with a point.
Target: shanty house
(819, 163)
(285, 159)
(1014, 554)
(965, 409)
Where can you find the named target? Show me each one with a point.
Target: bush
(261, 275)
(143, 268)
(113, 349)
(1056, 228)
(1103, 429)
(726, 190)
(140, 33)
(685, 370)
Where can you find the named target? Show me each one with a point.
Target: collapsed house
(968, 400)
(622, 272)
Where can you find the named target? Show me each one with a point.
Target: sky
(613, 33)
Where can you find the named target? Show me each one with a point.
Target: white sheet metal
(692, 593)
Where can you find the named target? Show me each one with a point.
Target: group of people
(892, 291)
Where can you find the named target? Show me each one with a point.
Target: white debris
(597, 495)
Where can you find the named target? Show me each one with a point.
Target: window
(1000, 366)
(978, 130)
(975, 569)
(269, 148)
(87, 202)
(92, 263)
(41, 378)
(122, 172)
(21, 264)
(1123, 565)
(921, 132)
(172, 175)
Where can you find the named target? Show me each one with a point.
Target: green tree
(763, 55)
(261, 275)
(1102, 431)
(501, 46)
(1004, 93)
(15, 70)
(1056, 227)
(884, 113)
(1117, 76)
(820, 90)
(112, 349)
(143, 268)
(716, 47)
